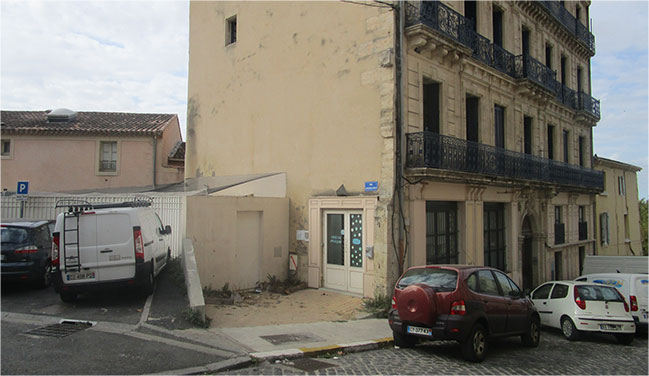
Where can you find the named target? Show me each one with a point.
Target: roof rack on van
(74, 205)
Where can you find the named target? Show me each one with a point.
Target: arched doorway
(527, 255)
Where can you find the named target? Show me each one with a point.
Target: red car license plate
(418, 330)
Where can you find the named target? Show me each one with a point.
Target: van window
(113, 229)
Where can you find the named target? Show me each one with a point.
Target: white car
(576, 307)
(95, 246)
(634, 288)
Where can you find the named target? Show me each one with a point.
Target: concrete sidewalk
(296, 340)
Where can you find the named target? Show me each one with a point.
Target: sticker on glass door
(343, 251)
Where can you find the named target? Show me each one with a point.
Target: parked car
(26, 246)
(576, 307)
(96, 246)
(468, 304)
(634, 288)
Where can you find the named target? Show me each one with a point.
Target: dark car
(26, 248)
(468, 304)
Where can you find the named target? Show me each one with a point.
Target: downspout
(399, 246)
(155, 159)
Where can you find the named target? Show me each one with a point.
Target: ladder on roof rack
(71, 256)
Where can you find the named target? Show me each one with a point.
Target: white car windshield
(599, 293)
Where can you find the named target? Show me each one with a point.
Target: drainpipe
(155, 158)
(400, 247)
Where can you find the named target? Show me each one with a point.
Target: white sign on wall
(302, 235)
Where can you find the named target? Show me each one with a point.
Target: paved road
(594, 355)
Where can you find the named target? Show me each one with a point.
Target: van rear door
(115, 247)
(642, 290)
(86, 249)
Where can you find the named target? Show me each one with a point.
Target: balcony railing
(583, 230)
(432, 150)
(574, 26)
(559, 233)
(455, 26)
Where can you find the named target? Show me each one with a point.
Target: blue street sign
(371, 186)
(23, 188)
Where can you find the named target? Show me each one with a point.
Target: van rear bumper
(142, 271)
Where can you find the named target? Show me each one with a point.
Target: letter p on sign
(23, 188)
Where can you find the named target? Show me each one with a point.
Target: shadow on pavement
(169, 301)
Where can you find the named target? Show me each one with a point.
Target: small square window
(6, 148)
(231, 30)
(108, 156)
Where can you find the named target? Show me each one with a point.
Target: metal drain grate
(280, 339)
(62, 329)
(310, 364)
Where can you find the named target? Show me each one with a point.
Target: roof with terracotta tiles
(85, 123)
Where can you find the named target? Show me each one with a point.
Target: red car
(469, 304)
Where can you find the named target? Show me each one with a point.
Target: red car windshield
(440, 279)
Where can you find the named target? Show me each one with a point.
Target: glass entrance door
(343, 251)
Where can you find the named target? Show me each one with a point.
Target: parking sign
(23, 188)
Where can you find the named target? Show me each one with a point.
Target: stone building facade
(409, 132)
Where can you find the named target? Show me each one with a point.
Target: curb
(228, 364)
(315, 351)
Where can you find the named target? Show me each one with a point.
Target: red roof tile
(86, 123)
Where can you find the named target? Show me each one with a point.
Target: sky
(132, 56)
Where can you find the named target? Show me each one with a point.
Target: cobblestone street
(593, 355)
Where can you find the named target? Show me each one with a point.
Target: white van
(634, 287)
(96, 246)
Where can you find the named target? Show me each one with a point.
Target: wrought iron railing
(559, 233)
(573, 25)
(452, 24)
(583, 230)
(432, 150)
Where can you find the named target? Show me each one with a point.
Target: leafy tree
(643, 224)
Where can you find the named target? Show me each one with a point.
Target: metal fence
(170, 208)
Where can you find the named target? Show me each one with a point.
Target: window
(472, 104)
(564, 68)
(431, 106)
(557, 215)
(471, 13)
(603, 226)
(494, 235)
(6, 148)
(499, 122)
(578, 13)
(580, 72)
(548, 55)
(231, 30)
(487, 283)
(527, 135)
(498, 26)
(581, 151)
(526, 41)
(507, 285)
(559, 227)
(440, 279)
(621, 185)
(441, 232)
(542, 292)
(566, 146)
(583, 225)
(558, 266)
(559, 291)
(582, 257)
(550, 141)
(108, 156)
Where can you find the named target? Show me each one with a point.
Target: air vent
(61, 115)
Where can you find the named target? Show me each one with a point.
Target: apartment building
(617, 208)
(410, 132)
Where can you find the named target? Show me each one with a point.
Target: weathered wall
(307, 89)
(170, 136)
(222, 230)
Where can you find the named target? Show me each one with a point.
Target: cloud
(95, 56)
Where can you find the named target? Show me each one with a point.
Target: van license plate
(609, 327)
(78, 276)
(418, 330)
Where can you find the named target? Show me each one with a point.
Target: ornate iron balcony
(530, 68)
(440, 17)
(573, 25)
(588, 104)
(432, 150)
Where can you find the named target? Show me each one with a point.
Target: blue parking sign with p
(23, 188)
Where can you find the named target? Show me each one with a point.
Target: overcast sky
(132, 57)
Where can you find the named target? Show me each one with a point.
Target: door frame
(346, 268)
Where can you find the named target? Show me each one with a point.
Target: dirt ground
(268, 308)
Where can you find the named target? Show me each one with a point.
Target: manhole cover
(62, 329)
(279, 339)
(310, 364)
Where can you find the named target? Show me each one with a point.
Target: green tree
(643, 225)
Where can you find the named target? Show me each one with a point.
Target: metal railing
(567, 20)
(432, 150)
(455, 26)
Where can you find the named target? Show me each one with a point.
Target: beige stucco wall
(57, 164)
(212, 226)
(617, 206)
(170, 136)
(307, 89)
